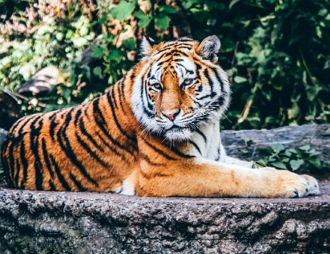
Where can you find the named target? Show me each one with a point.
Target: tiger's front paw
(292, 185)
(299, 186)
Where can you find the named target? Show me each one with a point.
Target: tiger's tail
(3, 135)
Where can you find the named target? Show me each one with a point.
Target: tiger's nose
(171, 114)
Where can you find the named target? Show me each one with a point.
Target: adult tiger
(154, 133)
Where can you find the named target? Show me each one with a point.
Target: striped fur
(154, 133)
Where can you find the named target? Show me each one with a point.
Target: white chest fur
(206, 143)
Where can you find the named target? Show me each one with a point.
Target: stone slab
(61, 222)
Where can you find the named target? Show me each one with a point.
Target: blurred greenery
(304, 159)
(276, 52)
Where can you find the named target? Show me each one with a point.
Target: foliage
(304, 159)
(275, 52)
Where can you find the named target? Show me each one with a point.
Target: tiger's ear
(209, 48)
(146, 46)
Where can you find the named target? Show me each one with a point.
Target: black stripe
(160, 64)
(46, 157)
(34, 146)
(196, 146)
(217, 75)
(180, 153)
(111, 96)
(202, 134)
(77, 116)
(207, 75)
(111, 147)
(59, 175)
(149, 161)
(179, 53)
(18, 167)
(176, 52)
(11, 159)
(120, 89)
(91, 152)
(206, 96)
(51, 185)
(218, 103)
(24, 163)
(196, 101)
(28, 118)
(218, 156)
(170, 46)
(77, 183)
(66, 146)
(150, 107)
(52, 125)
(160, 151)
(100, 121)
(132, 138)
(88, 135)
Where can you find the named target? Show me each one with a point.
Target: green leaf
(262, 162)
(279, 165)
(277, 148)
(313, 152)
(144, 19)
(66, 93)
(287, 153)
(295, 164)
(187, 4)
(305, 147)
(239, 79)
(167, 9)
(103, 19)
(130, 43)
(97, 71)
(115, 55)
(232, 3)
(315, 162)
(291, 150)
(122, 10)
(162, 21)
(97, 52)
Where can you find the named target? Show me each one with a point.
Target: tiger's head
(179, 87)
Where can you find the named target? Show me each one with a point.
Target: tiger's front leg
(199, 177)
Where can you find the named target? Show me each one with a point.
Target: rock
(41, 82)
(249, 144)
(60, 222)
(9, 108)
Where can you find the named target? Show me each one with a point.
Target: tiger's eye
(187, 81)
(157, 86)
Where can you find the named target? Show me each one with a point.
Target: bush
(275, 52)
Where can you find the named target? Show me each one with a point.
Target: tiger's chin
(178, 134)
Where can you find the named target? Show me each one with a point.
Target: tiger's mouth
(177, 133)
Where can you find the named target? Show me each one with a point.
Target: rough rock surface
(42, 81)
(250, 143)
(61, 222)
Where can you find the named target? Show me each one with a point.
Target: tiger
(156, 132)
